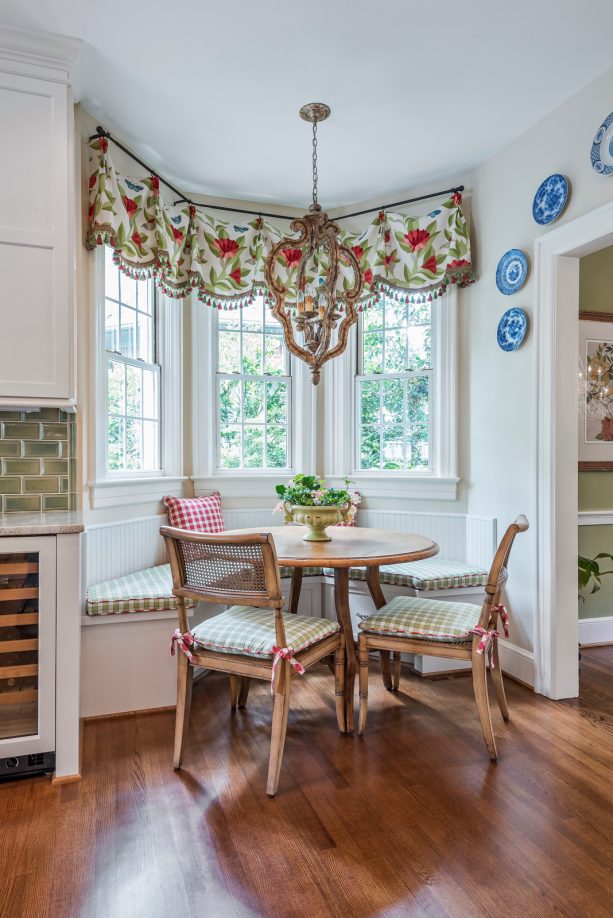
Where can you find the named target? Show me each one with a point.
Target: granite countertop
(54, 522)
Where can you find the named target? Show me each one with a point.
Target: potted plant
(305, 499)
(590, 574)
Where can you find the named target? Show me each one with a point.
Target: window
(395, 394)
(132, 372)
(253, 389)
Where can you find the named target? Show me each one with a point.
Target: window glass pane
(420, 357)
(116, 398)
(230, 450)
(370, 453)
(253, 401)
(229, 352)
(373, 318)
(134, 444)
(111, 275)
(418, 409)
(274, 356)
(395, 314)
(127, 335)
(229, 401)
(129, 287)
(150, 408)
(115, 454)
(150, 445)
(253, 447)
(134, 393)
(252, 354)
(276, 447)
(373, 353)
(144, 344)
(393, 447)
(276, 403)
(111, 325)
(395, 351)
(420, 313)
(393, 401)
(229, 318)
(369, 402)
(253, 315)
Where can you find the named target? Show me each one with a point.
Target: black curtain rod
(101, 132)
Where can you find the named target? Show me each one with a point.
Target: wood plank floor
(410, 820)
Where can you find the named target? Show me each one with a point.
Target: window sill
(121, 491)
(418, 487)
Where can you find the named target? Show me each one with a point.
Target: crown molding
(39, 54)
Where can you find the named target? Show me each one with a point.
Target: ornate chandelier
(312, 309)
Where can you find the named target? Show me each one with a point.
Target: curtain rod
(101, 132)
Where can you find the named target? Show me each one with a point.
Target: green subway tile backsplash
(37, 460)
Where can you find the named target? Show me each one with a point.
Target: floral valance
(185, 249)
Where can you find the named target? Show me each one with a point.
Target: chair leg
(244, 691)
(479, 664)
(185, 675)
(499, 684)
(363, 664)
(280, 712)
(397, 661)
(339, 686)
(234, 685)
(386, 674)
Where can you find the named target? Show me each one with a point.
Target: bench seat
(426, 575)
(143, 591)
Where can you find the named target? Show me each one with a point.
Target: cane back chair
(459, 631)
(251, 640)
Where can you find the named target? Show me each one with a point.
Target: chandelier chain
(314, 162)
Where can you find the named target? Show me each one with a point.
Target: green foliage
(589, 574)
(310, 491)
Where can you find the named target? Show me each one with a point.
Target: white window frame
(440, 480)
(109, 489)
(242, 483)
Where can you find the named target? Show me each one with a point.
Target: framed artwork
(595, 393)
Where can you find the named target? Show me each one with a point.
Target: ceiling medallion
(310, 308)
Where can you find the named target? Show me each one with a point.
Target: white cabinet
(37, 219)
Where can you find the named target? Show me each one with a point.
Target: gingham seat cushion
(306, 571)
(250, 631)
(144, 591)
(425, 619)
(429, 574)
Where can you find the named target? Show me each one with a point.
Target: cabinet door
(27, 645)
(35, 278)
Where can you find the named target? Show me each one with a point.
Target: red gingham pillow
(199, 514)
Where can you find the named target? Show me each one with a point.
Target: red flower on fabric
(236, 275)
(93, 179)
(386, 236)
(357, 250)
(104, 144)
(155, 184)
(368, 276)
(130, 205)
(177, 233)
(226, 247)
(90, 212)
(136, 238)
(458, 263)
(381, 216)
(430, 264)
(457, 198)
(291, 256)
(417, 239)
(388, 260)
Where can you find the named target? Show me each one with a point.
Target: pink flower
(226, 247)
(457, 198)
(155, 184)
(458, 263)
(417, 239)
(177, 233)
(291, 256)
(357, 250)
(368, 276)
(136, 238)
(104, 144)
(130, 205)
(236, 275)
(430, 264)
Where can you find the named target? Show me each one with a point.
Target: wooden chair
(251, 640)
(459, 631)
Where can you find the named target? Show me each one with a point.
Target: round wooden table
(350, 546)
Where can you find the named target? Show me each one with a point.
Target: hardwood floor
(411, 820)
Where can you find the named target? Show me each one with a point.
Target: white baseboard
(517, 662)
(596, 630)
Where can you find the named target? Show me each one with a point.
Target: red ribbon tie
(284, 653)
(486, 642)
(185, 642)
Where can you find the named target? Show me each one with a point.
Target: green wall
(596, 488)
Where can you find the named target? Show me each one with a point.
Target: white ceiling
(208, 91)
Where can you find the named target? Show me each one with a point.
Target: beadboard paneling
(481, 540)
(114, 549)
(448, 529)
(255, 516)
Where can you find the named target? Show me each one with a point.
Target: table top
(350, 546)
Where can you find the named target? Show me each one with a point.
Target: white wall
(501, 394)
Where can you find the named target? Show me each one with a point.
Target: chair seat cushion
(250, 631)
(143, 591)
(429, 574)
(306, 571)
(425, 619)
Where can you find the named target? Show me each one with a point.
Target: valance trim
(408, 259)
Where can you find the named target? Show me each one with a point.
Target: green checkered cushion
(429, 574)
(246, 630)
(425, 619)
(306, 571)
(143, 591)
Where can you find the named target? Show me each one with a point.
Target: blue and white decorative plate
(602, 148)
(512, 329)
(550, 199)
(511, 272)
